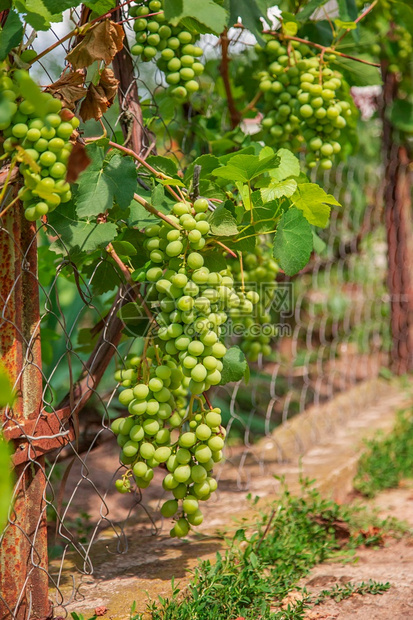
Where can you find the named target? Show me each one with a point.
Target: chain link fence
(62, 347)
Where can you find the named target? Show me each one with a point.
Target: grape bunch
(193, 301)
(155, 397)
(41, 145)
(258, 275)
(164, 389)
(177, 54)
(304, 100)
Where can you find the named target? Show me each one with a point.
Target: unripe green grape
(137, 433)
(169, 508)
(203, 453)
(162, 454)
(130, 448)
(180, 491)
(213, 419)
(216, 443)
(187, 440)
(115, 426)
(146, 450)
(200, 489)
(181, 528)
(123, 485)
(195, 518)
(137, 407)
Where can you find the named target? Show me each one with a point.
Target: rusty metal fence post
(23, 545)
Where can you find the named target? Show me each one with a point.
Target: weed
(341, 592)
(261, 567)
(387, 459)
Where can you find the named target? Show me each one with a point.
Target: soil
(393, 563)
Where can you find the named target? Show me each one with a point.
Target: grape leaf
(359, 74)
(234, 366)
(277, 190)
(101, 42)
(250, 13)
(313, 201)
(206, 12)
(100, 96)
(246, 167)
(163, 164)
(293, 241)
(139, 216)
(289, 166)
(222, 223)
(105, 180)
(11, 34)
(76, 235)
(104, 276)
(173, 9)
(214, 261)
(36, 13)
(208, 163)
(125, 248)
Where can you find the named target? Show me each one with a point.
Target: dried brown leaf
(78, 161)
(101, 42)
(99, 97)
(69, 88)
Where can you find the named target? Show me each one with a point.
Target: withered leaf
(101, 42)
(78, 161)
(69, 88)
(100, 97)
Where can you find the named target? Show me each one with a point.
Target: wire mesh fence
(64, 346)
(335, 334)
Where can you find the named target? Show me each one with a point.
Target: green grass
(264, 561)
(388, 459)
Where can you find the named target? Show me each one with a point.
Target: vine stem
(226, 248)
(321, 47)
(111, 250)
(234, 114)
(143, 162)
(151, 209)
(359, 18)
(208, 402)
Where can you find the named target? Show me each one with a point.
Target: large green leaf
(289, 166)
(250, 12)
(11, 34)
(234, 365)
(37, 14)
(293, 241)
(314, 202)
(206, 12)
(278, 190)
(359, 74)
(105, 180)
(403, 14)
(246, 167)
(77, 235)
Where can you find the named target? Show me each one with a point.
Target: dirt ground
(393, 563)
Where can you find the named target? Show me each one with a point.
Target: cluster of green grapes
(190, 305)
(41, 145)
(155, 396)
(258, 273)
(304, 99)
(194, 302)
(177, 53)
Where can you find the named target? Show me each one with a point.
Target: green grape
(300, 93)
(171, 46)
